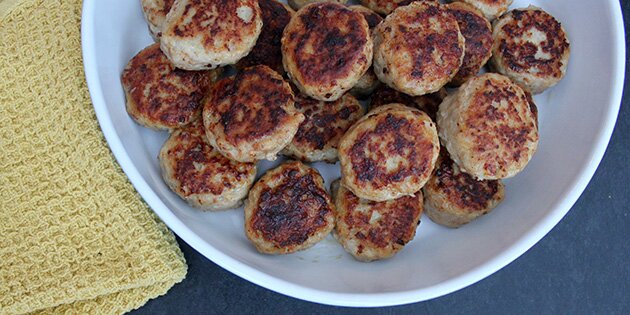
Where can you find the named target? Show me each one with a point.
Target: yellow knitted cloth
(74, 235)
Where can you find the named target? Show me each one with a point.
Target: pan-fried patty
(288, 210)
(318, 137)
(531, 47)
(199, 174)
(159, 96)
(428, 103)
(326, 48)
(155, 12)
(492, 9)
(251, 116)
(453, 198)
(205, 34)
(389, 153)
(478, 34)
(372, 230)
(386, 7)
(489, 127)
(418, 48)
(275, 16)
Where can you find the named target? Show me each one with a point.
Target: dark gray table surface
(581, 267)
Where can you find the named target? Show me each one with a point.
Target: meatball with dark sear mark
(453, 198)
(428, 103)
(418, 48)
(489, 127)
(159, 96)
(373, 230)
(288, 210)
(389, 153)
(205, 34)
(368, 82)
(531, 48)
(326, 48)
(199, 174)
(386, 7)
(251, 116)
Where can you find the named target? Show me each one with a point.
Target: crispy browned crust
(387, 6)
(392, 133)
(370, 16)
(367, 239)
(492, 124)
(250, 105)
(294, 210)
(324, 123)
(478, 34)
(275, 16)
(190, 152)
(325, 42)
(462, 191)
(197, 24)
(428, 103)
(161, 96)
(520, 57)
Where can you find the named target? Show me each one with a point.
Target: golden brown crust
(201, 175)
(275, 15)
(488, 127)
(204, 34)
(389, 153)
(288, 210)
(326, 49)
(418, 48)
(454, 198)
(531, 47)
(387, 6)
(428, 103)
(160, 96)
(251, 115)
(477, 31)
(318, 137)
(371, 230)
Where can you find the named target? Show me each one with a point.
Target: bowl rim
(535, 234)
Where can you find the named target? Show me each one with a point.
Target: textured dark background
(581, 267)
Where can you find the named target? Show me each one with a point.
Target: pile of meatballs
(238, 81)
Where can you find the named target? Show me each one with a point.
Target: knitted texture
(75, 237)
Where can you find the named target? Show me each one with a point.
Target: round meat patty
(205, 34)
(428, 103)
(489, 127)
(386, 7)
(275, 15)
(418, 48)
(318, 137)
(368, 82)
(453, 198)
(531, 47)
(326, 48)
(155, 12)
(251, 116)
(288, 210)
(199, 174)
(371, 230)
(492, 9)
(478, 34)
(159, 96)
(389, 153)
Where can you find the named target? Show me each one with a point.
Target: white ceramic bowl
(576, 121)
